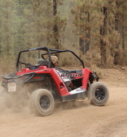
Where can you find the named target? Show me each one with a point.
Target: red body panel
(86, 73)
(63, 91)
(56, 77)
(27, 70)
(59, 83)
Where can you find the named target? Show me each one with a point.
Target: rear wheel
(42, 102)
(98, 94)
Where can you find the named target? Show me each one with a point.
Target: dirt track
(79, 120)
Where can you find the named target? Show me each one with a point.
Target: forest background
(95, 29)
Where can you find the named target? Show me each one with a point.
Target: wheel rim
(44, 102)
(100, 94)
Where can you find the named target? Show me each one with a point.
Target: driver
(67, 81)
(54, 61)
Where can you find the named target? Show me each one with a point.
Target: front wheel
(98, 94)
(42, 102)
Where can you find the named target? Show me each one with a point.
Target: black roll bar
(49, 52)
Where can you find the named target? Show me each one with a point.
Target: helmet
(39, 62)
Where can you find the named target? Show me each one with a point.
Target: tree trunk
(103, 32)
(48, 30)
(55, 27)
(117, 27)
(117, 22)
(84, 43)
(87, 45)
(123, 35)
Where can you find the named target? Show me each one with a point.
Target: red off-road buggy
(44, 85)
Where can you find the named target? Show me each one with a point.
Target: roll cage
(49, 52)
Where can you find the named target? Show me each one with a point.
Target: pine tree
(59, 24)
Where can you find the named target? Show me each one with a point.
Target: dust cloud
(14, 103)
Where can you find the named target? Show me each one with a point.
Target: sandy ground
(79, 120)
